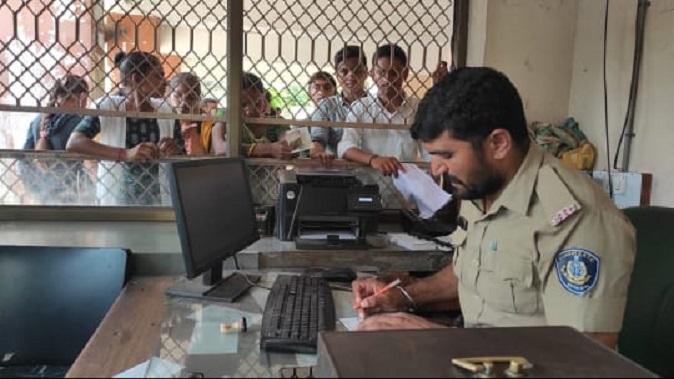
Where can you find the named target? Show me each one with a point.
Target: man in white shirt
(383, 149)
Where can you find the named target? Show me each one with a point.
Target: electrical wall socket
(627, 186)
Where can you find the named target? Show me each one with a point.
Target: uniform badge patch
(563, 214)
(577, 270)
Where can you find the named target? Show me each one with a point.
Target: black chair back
(52, 299)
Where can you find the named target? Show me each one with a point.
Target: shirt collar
(518, 193)
(403, 108)
(343, 100)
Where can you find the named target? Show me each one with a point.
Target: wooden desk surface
(130, 332)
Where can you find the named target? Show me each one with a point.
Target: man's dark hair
(348, 52)
(252, 81)
(388, 51)
(470, 103)
(137, 62)
(322, 75)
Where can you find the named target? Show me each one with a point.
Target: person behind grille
(209, 106)
(321, 85)
(351, 73)
(129, 139)
(184, 94)
(384, 149)
(257, 141)
(57, 181)
(51, 131)
(271, 110)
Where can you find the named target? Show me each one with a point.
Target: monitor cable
(245, 277)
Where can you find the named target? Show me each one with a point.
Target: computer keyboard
(298, 307)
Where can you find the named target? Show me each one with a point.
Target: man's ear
(499, 144)
(406, 72)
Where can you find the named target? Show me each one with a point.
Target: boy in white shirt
(383, 149)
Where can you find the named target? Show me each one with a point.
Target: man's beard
(486, 182)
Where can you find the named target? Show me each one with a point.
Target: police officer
(540, 243)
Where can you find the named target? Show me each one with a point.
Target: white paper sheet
(161, 368)
(350, 323)
(134, 372)
(416, 185)
(153, 368)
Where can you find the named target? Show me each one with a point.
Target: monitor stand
(213, 287)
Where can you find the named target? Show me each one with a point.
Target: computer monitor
(214, 213)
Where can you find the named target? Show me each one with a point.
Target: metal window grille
(283, 42)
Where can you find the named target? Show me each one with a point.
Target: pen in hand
(383, 290)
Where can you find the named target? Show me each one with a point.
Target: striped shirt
(335, 109)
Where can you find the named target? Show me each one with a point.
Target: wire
(245, 277)
(634, 83)
(608, 149)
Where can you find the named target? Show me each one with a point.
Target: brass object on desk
(484, 366)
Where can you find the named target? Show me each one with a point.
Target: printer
(326, 209)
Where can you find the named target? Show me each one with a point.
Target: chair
(648, 330)
(52, 299)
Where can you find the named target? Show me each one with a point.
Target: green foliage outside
(291, 96)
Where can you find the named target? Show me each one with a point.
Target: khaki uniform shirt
(551, 250)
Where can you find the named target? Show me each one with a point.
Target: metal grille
(284, 42)
(29, 178)
(287, 41)
(47, 39)
(64, 179)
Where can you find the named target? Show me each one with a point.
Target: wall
(532, 42)
(651, 151)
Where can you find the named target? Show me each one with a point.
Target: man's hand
(280, 150)
(440, 72)
(387, 165)
(169, 147)
(366, 304)
(318, 152)
(396, 321)
(142, 152)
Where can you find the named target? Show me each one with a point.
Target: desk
(144, 323)
(129, 333)
(156, 248)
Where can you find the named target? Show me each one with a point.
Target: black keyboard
(298, 307)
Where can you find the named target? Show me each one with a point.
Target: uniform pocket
(512, 288)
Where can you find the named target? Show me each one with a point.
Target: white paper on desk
(134, 372)
(154, 368)
(350, 323)
(416, 185)
(161, 368)
(207, 337)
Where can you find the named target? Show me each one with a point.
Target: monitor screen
(214, 210)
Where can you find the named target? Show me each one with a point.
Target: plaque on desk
(552, 352)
